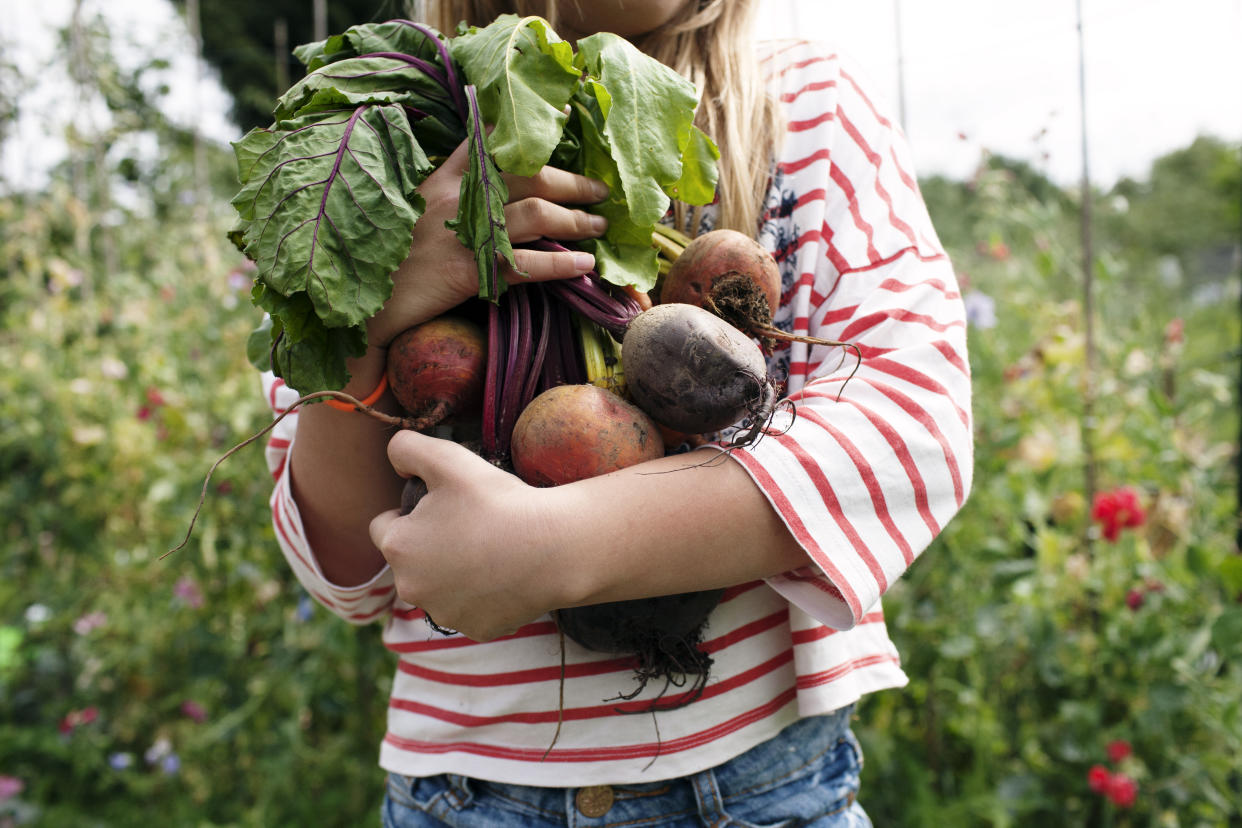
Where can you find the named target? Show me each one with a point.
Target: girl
(805, 528)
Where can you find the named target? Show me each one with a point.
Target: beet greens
(328, 197)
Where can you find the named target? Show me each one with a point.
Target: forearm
(341, 478)
(680, 523)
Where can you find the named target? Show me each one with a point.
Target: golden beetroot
(572, 432)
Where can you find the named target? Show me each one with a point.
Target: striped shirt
(865, 475)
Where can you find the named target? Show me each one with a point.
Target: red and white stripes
(866, 474)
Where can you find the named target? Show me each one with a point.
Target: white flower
(980, 309)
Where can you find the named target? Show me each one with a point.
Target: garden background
(1071, 662)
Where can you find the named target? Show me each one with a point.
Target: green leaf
(480, 222)
(356, 81)
(364, 39)
(259, 345)
(1231, 574)
(307, 354)
(697, 184)
(624, 255)
(1227, 632)
(330, 205)
(648, 120)
(525, 76)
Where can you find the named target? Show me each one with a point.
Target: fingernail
(598, 223)
(599, 190)
(584, 262)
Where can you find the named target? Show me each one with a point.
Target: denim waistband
(810, 747)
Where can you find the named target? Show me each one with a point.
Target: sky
(978, 75)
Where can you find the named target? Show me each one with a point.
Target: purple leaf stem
(520, 347)
(541, 346)
(428, 69)
(452, 83)
(493, 381)
(615, 321)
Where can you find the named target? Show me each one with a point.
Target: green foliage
(205, 689)
(115, 407)
(1030, 650)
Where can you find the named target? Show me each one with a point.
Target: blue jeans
(805, 776)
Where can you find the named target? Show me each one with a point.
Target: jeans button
(594, 801)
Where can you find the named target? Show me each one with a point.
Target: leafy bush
(1030, 648)
(1053, 680)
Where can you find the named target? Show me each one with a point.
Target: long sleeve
(360, 604)
(871, 464)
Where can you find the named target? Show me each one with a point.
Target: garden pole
(901, 68)
(319, 11)
(1088, 301)
(1237, 482)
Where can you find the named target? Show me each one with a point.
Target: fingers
(557, 185)
(379, 527)
(418, 455)
(540, 266)
(534, 218)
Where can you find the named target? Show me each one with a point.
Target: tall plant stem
(1088, 294)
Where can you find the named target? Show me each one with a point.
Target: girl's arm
(484, 553)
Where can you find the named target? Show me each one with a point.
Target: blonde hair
(708, 42)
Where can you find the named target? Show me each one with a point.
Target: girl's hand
(481, 553)
(440, 272)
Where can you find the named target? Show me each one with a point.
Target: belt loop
(707, 796)
(459, 791)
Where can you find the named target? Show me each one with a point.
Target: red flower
(1122, 790)
(154, 397)
(1134, 600)
(144, 413)
(1117, 510)
(194, 710)
(74, 718)
(1118, 749)
(1099, 778)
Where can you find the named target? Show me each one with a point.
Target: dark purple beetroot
(692, 372)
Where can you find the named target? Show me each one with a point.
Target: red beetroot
(572, 432)
(729, 274)
(436, 370)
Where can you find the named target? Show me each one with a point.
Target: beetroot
(436, 370)
(572, 432)
(693, 373)
(731, 275)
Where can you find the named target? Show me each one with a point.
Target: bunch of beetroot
(328, 201)
(518, 381)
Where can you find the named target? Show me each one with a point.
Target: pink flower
(154, 397)
(1175, 332)
(1117, 510)
(194, 710)
(1118, 749)
(186, 589)
(1122, 790)
(144, 413)
(90, 621)
(1134, 599)
(76, 718)
(1099, 778)
(10, 786)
